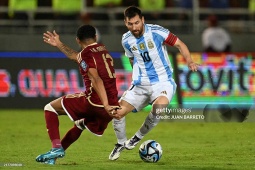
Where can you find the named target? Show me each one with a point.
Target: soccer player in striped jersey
(145, 45)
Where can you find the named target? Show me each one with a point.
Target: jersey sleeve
(164, 35)
(127, 49)
(87, 61)
(161, 32)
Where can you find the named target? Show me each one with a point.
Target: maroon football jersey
(96, 56)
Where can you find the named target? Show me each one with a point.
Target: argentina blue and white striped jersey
(151, 62)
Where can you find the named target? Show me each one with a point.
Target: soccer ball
(150, 151)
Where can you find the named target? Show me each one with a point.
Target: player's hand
(193, 66)
(120, 113)
(51, 38)
(111, 110)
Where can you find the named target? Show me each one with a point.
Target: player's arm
(173, 40)
(186, 54)
(53, 39)
(128, 53)
(98, 85)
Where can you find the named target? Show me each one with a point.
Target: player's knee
(80, 124)
(159, 108)
(161, 102)
(48, 107)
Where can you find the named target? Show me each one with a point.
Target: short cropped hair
(132, 11)
(86, 32)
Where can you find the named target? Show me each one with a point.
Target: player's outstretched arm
(53, 39)
(186, 54)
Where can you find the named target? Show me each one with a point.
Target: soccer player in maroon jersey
(90, 109)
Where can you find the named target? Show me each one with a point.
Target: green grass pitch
(186, 146)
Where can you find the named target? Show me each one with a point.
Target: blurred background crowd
(180, 16)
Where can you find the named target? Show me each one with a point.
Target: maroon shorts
(78, 107)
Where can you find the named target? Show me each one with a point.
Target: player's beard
(138, 33)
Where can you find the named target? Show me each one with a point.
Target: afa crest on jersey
(150, 44)
(83, 65)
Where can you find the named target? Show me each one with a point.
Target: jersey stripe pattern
(151, 62)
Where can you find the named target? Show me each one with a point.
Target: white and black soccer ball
(150, 151)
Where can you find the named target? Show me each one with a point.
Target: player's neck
(88, 43)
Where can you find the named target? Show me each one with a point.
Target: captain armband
(171, 39)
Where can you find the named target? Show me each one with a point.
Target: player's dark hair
(132, 11)
(86, 32)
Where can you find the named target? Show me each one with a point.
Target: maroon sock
(71, 136)
(52, 125)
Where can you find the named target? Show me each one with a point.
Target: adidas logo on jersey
(133, 48)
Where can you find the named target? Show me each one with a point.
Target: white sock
(119, 127)
(150, 122)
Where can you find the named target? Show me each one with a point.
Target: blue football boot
(51, 155)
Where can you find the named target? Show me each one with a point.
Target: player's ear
(96, 38)
(78, 41)
(125, 21)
